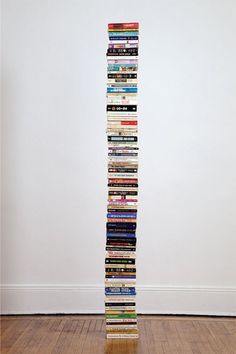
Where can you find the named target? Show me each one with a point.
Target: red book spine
(128, 122)
(131, 25)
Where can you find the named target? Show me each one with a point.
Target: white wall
(54, 155)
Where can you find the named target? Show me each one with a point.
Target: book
(118, 326)
(109, 284)
(128, 254)
(119, 61)
(120, 336)
(122, 50)
(123, 25)
(120, 260)
(122, 76)
(121, 108)
(122, 36)
(122, 89)
(121, 268)
(121, 315)
(131, 33)
(120, 100)
(123, 45)
(128, 330)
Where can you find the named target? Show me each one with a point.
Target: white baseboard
(62, 298)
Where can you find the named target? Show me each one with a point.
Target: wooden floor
(86, 334)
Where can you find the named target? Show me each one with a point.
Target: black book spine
(111, 210)
(120, 248)
(119, 260)
(122, 170)
(122, 54)
(128, 108)
(122, 76)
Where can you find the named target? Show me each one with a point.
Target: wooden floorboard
(85, 334)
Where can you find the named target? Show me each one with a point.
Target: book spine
(120, 336)
(123, 25)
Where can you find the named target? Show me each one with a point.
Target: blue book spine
(120, 234)
(112, 38)
(124, 34)
(122, 89)
(120, 290)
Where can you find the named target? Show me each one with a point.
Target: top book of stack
(133, 26)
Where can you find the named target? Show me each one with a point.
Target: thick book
(122, 315)
(119, 61)
(122, 54)
(118, 210)
(121, 325)
(123, 50)
(119, 299)
(122, 170)
(121, 216)
(120, 312)
(118, 100)
(123, 219)
(120, 225)
(123, 193)
(128, 330)
(126, 32)
(121, 321)
(120, 260)
(120, 267)
(122, 138)
(121, 277)
(123, 25)
(123, 45)
(123, 33)
(118, 240)
(117, 271)
(122, 68)
(123, 253)
(109, 283)
(122, 89)
(128, 108)
(120, 248)
(114, 174)
(122, 37)
(122, 76)
(120, 336)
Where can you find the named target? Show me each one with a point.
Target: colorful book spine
(122, 180)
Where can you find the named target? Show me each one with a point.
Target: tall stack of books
(122, 129)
